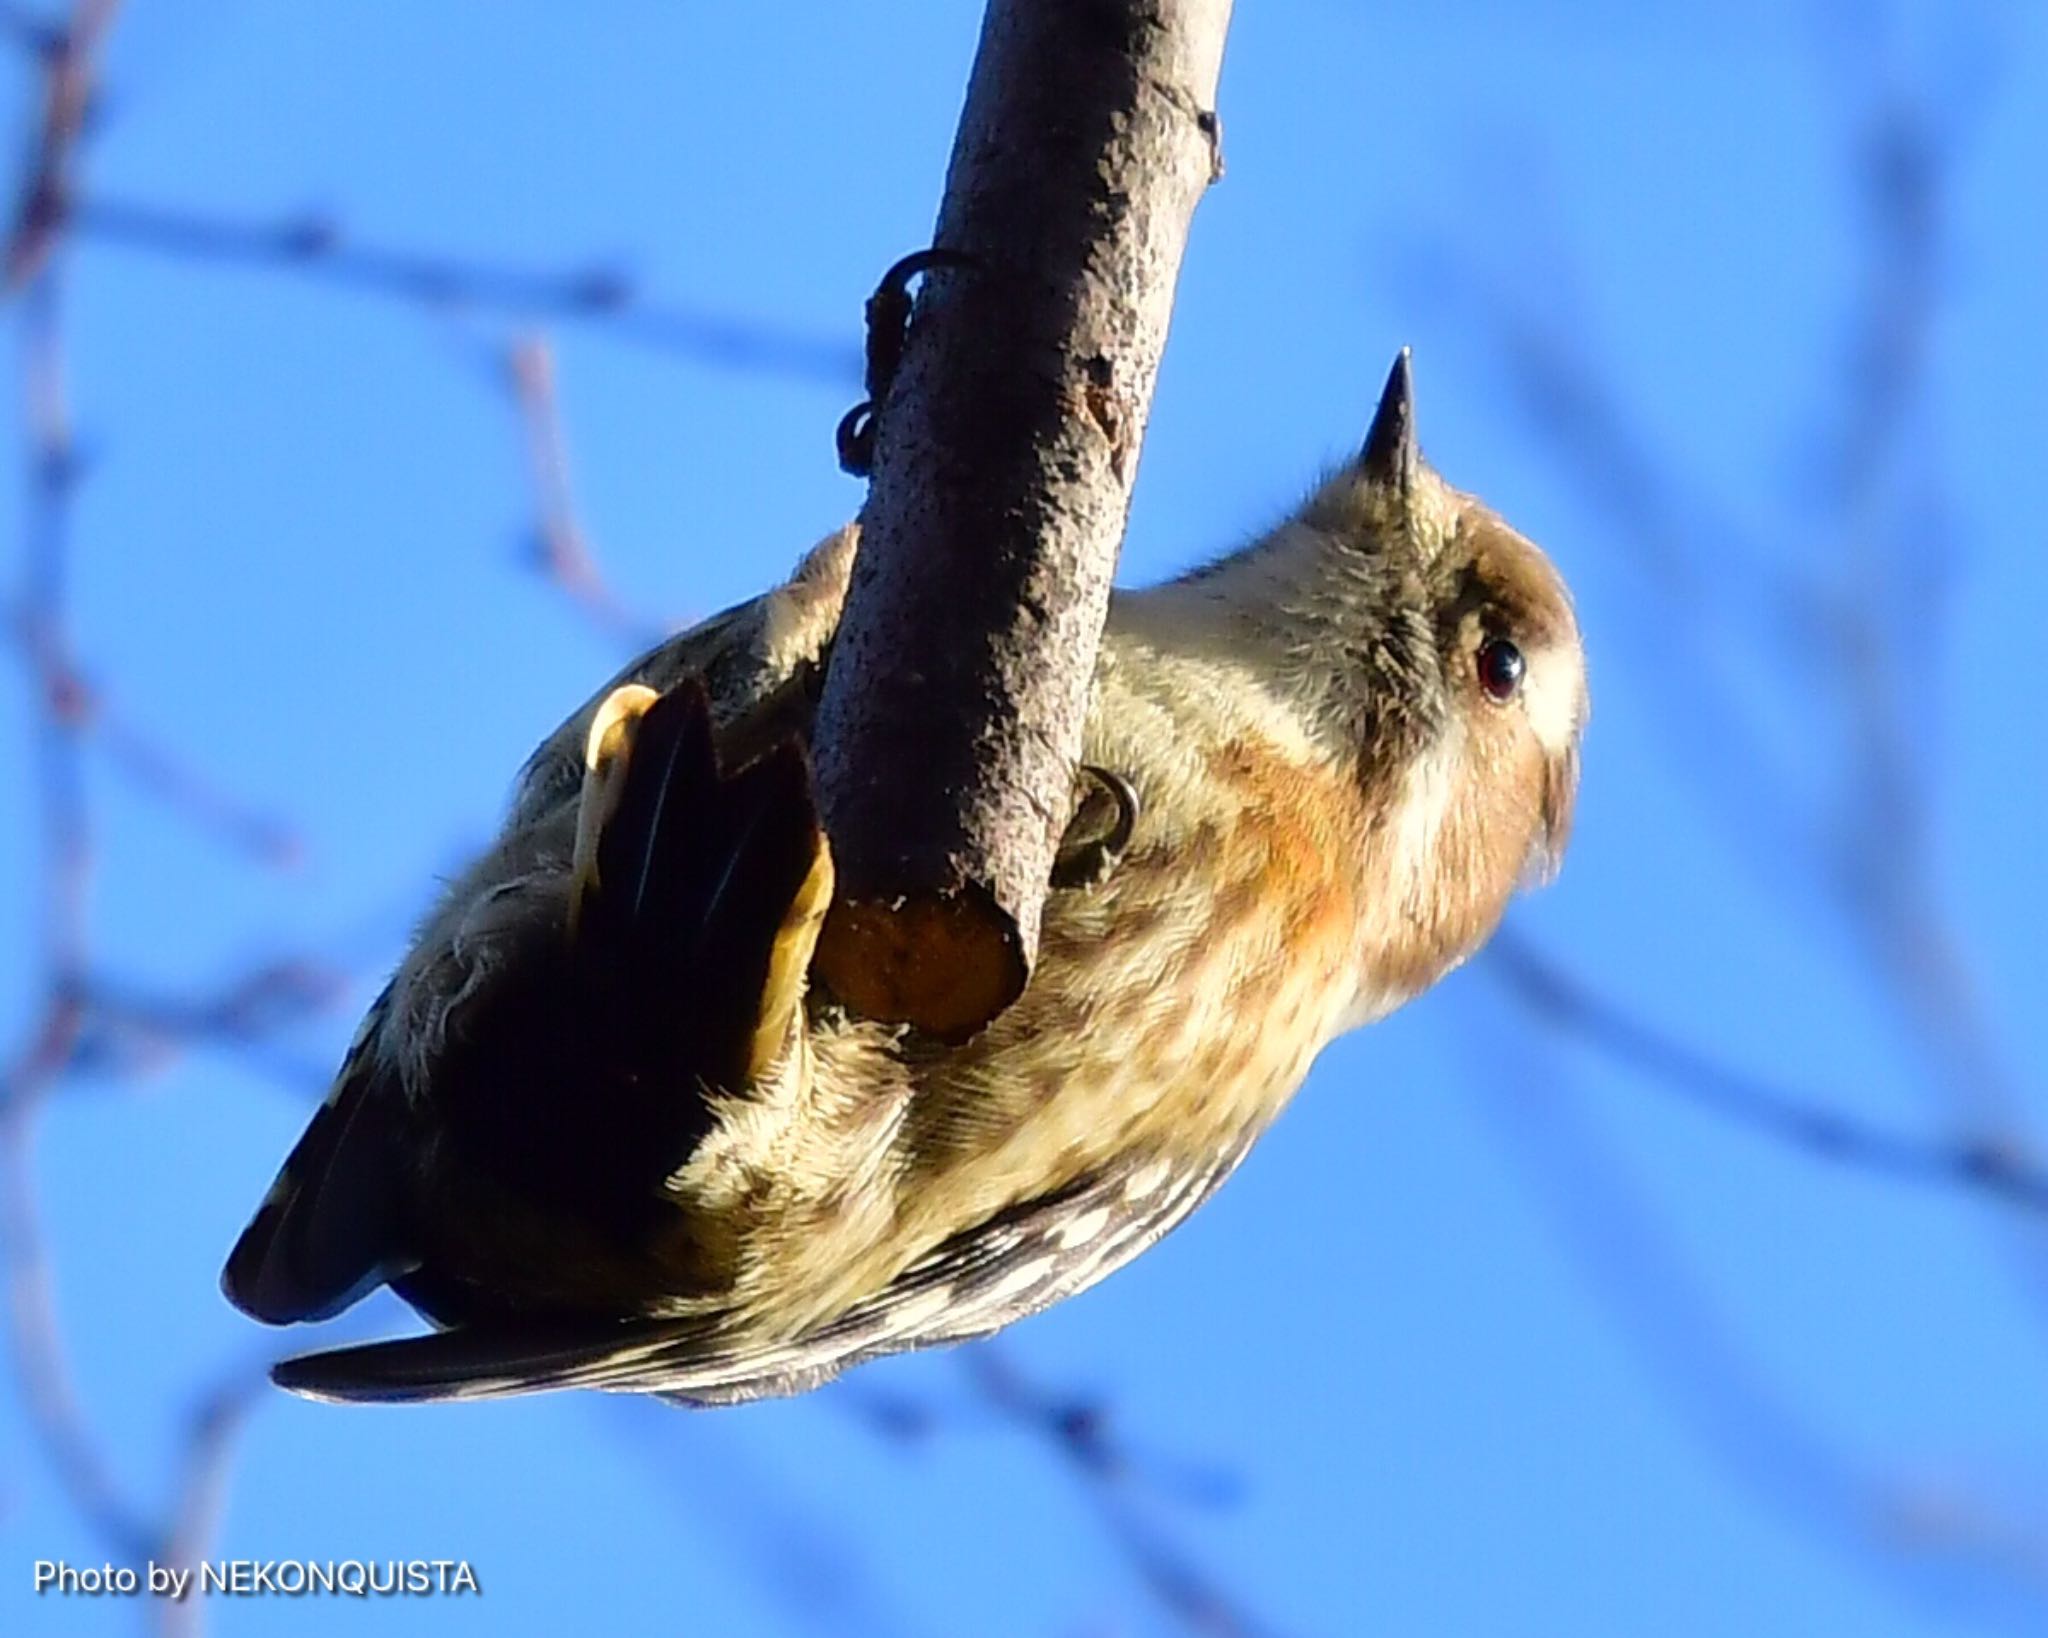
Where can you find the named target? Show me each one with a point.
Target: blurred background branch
(603, 297)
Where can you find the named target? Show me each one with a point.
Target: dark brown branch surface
(1005, 453)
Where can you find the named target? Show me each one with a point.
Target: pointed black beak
(1390, 456)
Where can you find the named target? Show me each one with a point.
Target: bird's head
(1427, 646)
(1457, 672)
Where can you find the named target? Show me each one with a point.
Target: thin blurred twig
(181, 788)
(58, 788)
(1120, 1482)
(1080, 1431)
(1862, 839)
(70, 59)
(1853, 642)
(212, 1428)
(1560, 1001)
(1616, 1235)
(316, 246)
(805, 1559)
(71, 1447)
(561, 547)
(1874, 831)
(74, 1007)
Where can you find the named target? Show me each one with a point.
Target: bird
(606, 1127)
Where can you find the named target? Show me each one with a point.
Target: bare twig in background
(76, 1008)
(44, 215)
(183, 789)
(1841, 637)
(71, 1447)
(561, 548)
(952, 714)
(317, 246)
(1788, 1462)
(67, 1439)
(208, 1458)
(1890, 546)
(1864, 843)
(800, 1553)
(1706, 576)
(70, 57)
(128, 1031)
(1118, 1482)
(813, 1568)
(37, 35)
(1079, 1427)
(69, 1443)
(45, 644)
(1122, 1484)
(1564, 1003)
(1871, 835)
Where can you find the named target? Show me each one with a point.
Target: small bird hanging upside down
(605, 1130)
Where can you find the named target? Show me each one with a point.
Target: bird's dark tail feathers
(699, 893)
(694, 905)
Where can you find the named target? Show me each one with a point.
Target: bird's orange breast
(1174, 1007)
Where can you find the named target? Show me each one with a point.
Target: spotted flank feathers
(1004, 1270)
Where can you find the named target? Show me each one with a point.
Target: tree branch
(953, 712)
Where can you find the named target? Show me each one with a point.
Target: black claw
(1125, 795)
(888, 330)
(856, 439)
(1088, 860)
(888, 314)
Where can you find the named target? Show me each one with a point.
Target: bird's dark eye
(1500, 668)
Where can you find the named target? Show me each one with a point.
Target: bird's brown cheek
(1511, 802)
(1560, 798)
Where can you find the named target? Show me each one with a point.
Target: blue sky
(1492, 1335)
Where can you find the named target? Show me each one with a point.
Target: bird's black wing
(1000, 1271)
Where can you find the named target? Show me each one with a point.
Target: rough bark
(1004, 457)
